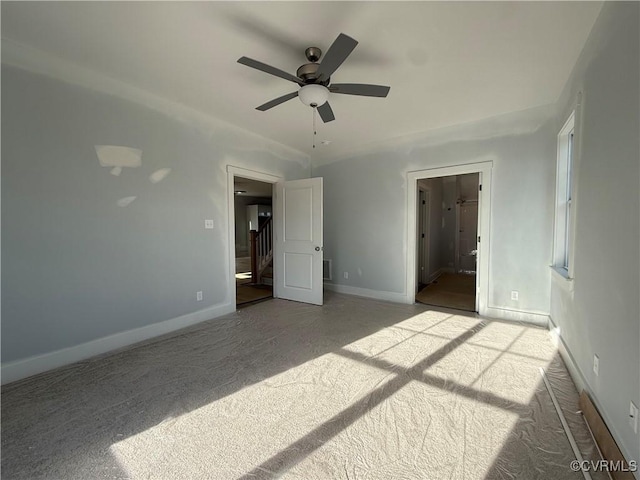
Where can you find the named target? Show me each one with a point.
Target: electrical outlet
(596, 365)
(199, 296)
(514, 295)
(346, 275)
(633, 417)
(208, 224)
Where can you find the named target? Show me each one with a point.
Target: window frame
(565, 199)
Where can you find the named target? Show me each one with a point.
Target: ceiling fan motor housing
(307, 72)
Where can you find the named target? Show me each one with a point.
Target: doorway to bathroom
(447, 241)
(446, 251)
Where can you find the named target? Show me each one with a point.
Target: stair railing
(261, 249)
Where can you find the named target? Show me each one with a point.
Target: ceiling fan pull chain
(314, 127)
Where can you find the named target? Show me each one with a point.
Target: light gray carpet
(354, 389)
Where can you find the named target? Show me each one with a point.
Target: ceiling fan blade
(337, 53)
(360, 89)
(263, 67)
(326, 114)
(277, 101)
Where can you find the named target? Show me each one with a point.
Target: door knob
(317, 249)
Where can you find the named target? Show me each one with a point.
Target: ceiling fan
(315, 78)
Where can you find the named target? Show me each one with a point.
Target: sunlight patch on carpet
(242, 430)
(436, 393)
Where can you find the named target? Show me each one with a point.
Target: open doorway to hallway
(447, 241)
(253, 214)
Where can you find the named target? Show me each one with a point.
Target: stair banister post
(254, 258)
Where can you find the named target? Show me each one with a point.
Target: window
(564, 188)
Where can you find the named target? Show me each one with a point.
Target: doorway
(296, 236)
(251, 217)
(253, 213)
(447, 241)
(448, 236)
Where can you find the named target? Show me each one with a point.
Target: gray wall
(365, 205)
(76, 266)
(602, 315)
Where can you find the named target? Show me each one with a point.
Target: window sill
(562, 278)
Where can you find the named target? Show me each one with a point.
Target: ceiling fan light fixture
(313, 95)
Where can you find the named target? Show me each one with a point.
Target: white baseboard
(365, 292)
(19, 369)
(572, 367)
(434, 276)
(581, 384)
(536, 318)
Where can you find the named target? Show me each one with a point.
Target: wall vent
(326, 270)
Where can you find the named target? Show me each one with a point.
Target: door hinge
(478, 239)
(480, 187)
(424, 202)
(423, 235)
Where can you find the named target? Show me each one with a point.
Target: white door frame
(233, 172)
(484, 217)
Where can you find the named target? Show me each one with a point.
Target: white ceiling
(446, 62)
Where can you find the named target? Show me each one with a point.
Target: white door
(468, 237)
(423, 236)
(298, 242)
